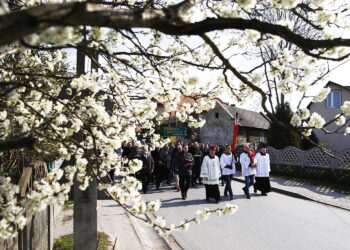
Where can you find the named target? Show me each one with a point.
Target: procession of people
(192, 164)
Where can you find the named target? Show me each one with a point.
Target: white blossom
(296, 120)
(322, 95)
(153, 206)
(3, 115)
(340, 120)
(184, 226)
(303, 113)
(229, 209)
(345, 108)
(316, 120)
(347, 131)
(143, 91)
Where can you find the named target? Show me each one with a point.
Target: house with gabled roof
(328, 109)
(218, 128)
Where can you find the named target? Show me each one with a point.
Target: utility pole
(85, 202)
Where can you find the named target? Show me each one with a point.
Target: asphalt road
(273, 222)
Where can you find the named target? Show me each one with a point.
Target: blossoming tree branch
(146, 53)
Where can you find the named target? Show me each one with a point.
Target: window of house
(216, 115)
(262, 136)
(334, 99)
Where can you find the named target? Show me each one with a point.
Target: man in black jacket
(174, 165)
(197, 156)
(185, 162)
(144, 175)
(158, 165)
(165, 166)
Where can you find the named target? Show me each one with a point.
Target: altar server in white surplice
(262, 177)
(211, 173)
(248, 168)
(228, 166)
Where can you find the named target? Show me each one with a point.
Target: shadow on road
(182, 203)
(314, 189)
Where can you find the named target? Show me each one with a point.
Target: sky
(341, 75)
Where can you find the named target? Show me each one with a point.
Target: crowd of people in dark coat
(182, 164)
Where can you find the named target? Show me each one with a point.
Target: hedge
(327, 176)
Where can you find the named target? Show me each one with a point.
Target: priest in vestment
(211, 173)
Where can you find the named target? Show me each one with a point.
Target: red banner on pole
(235, 132)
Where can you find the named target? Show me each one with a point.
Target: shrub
(326, 176)
(280, 137)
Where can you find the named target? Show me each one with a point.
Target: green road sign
(175, 131)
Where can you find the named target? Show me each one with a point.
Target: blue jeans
(228, 188)
(249, 181)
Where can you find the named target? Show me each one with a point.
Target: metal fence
(309, 158)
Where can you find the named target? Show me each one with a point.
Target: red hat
(212, 148)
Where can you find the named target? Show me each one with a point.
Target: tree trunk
(85, 217)
(85, 202)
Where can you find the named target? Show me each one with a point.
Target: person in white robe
(211, 173)
(248, 168)
(228, 167)
(262, 180)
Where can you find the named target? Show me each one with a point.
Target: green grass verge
(69, 205)
(66, 242)
(337, 180)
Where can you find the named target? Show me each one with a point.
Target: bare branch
(17, 25)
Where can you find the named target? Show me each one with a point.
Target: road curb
(147, 235)
(170, 241)
(297, 195)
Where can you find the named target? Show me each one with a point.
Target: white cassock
(245, 161)
(263, 163)
(228, 160)
(211, 170)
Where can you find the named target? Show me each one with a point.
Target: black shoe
(264, 194)
(248, 196)
(245, 191)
